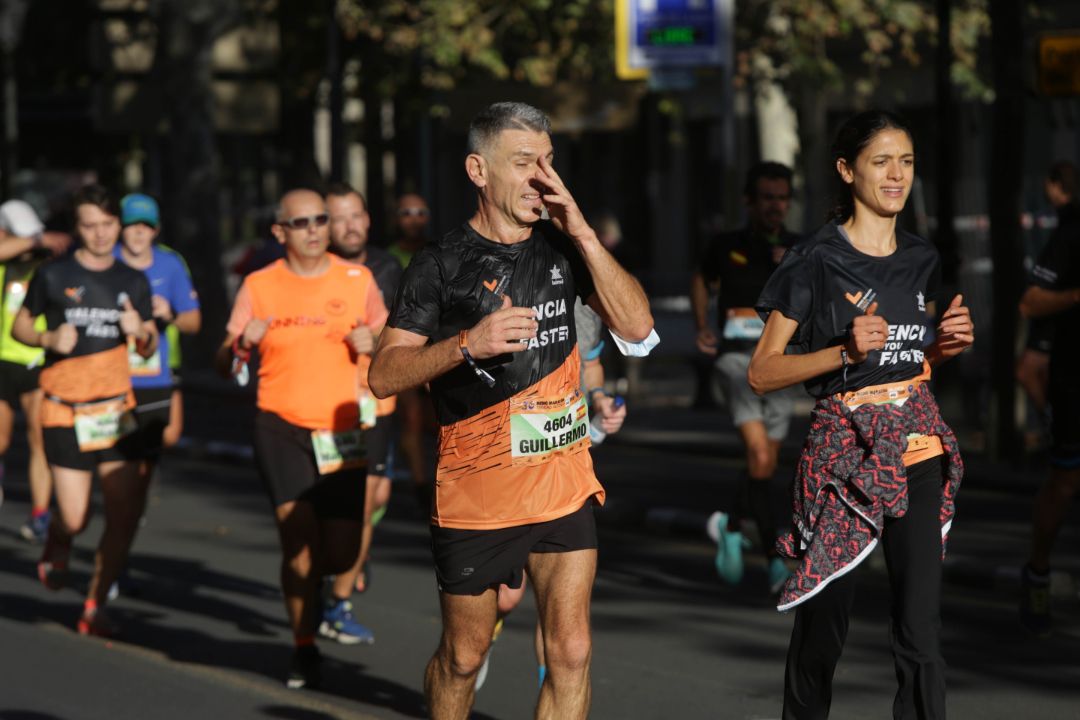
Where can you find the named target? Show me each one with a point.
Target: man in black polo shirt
(737, 264)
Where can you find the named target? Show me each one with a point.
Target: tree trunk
(187, 31)
(335, 78)
(814, 143)
(12, 16)
(374, 146)
(300, 72)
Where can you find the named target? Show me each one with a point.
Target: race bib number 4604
(540, 429)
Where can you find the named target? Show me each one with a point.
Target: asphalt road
(205, 635)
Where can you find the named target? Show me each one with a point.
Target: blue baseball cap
(139, 208)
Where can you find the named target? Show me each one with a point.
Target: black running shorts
(152, 407)
(1065, 423)
(468, 562)
(286, 463)
(15, 380)
(62, 450)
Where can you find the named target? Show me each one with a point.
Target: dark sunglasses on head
(416, 212)
(303, 223)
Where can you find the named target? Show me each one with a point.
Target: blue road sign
(679, 33)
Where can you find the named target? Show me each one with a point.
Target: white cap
(19, 219)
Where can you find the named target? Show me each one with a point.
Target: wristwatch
(844, 359)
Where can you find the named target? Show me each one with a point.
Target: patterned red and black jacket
(850, 477)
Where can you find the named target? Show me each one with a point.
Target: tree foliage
(445, 43)
(830, 44)
(835, 44)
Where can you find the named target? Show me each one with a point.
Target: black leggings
(912, 547)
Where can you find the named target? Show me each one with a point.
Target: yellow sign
(623, 70)
(1059, 63)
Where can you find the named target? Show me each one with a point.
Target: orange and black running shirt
(307, 372)
(517, 452)
(65, 291)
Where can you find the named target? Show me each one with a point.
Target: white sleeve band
(636, 349)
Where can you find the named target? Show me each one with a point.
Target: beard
(351, 252)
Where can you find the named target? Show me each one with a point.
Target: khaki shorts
(773, 409)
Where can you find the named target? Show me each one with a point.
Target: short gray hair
(500, 116)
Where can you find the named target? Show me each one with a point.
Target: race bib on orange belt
(543, 428)
(100, 425)
(742, 324)
(336, 451)
(887, 394)
(895, 393)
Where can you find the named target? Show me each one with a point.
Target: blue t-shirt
(168, 278)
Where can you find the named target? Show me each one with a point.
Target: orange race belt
(919, 447)
(894, 393)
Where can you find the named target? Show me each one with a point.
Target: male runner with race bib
(486, 316)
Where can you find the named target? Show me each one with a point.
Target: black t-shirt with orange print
(65, 291)
(514, 453)
(823, 283)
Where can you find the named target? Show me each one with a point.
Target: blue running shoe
(339, 624)
(778, 575)
(36, 529)
(729, 547)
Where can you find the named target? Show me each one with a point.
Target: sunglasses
(414, 212)
(303, 223)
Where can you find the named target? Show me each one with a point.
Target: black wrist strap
(480, 372)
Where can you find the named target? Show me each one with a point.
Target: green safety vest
(14, 290)
(171, 332)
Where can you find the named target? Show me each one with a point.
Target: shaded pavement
(204, 632)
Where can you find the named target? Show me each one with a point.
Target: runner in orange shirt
(310, 316)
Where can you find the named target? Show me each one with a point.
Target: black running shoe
(306, 670)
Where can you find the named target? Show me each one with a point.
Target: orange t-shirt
(308, 374)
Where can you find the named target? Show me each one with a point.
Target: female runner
(879, 464)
